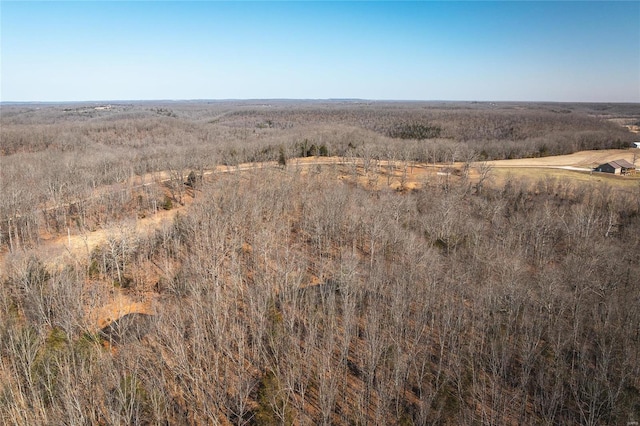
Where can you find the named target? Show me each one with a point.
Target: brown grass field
(553, 167)
(587, 159)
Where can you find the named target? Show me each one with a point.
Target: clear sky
(491, 51)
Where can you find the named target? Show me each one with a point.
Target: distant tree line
(414, 131)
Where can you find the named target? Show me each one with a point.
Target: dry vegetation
(148, 276)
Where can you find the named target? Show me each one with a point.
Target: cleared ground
(575, 167)
(581, 159)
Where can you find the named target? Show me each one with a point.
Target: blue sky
(488, 51)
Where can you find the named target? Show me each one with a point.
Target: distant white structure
(636, 145)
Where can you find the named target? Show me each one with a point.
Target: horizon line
(103, 101)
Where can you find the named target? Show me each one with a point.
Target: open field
(318, 263)
(532, 174)
(575, 167)
(582, 159)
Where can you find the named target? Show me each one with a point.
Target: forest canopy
(315, 263)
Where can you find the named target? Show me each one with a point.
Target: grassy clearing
(502, 174)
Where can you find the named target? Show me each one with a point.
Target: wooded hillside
(289, 295)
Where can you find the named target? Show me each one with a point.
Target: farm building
(617, 167)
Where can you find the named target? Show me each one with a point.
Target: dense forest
(291, 295)
(65, 155)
